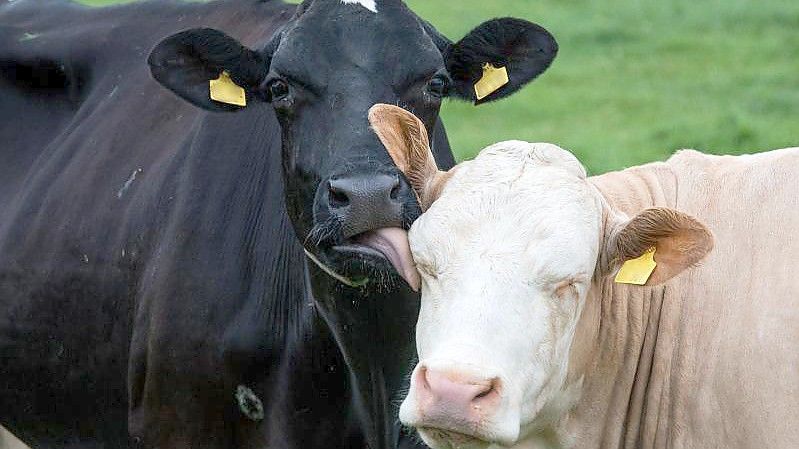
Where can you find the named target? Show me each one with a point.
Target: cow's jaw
(507, 255)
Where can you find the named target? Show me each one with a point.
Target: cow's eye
(278, 90)
(566, 289)
(438, 86)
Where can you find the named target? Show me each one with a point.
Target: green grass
(636, 80)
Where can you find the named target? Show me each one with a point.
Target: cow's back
(738, 338)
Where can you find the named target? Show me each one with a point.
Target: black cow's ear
(186, 62)
(523, 49)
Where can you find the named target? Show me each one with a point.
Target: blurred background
(636, 80)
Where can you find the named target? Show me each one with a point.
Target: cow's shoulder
(635, 188)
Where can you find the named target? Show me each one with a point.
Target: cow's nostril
(422, 378)
(488, 389)
(458, 391)
(338, 197)
(395, 189)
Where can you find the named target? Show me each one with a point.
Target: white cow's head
(508, 249)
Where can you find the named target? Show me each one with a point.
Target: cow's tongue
(393, 243)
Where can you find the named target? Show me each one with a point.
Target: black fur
(187, 60)
(152, 256)
(524, 48)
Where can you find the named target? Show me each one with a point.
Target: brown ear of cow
(680, 242)
(405, 138)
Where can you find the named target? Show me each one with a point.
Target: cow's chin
(444, 439)
(358, 262)
(382, 256)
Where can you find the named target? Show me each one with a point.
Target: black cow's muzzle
(366, 202)
(361, 225)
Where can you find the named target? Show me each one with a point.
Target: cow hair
(440, 41)
(689, 238)
(325, 233)
(525, 48)
(301, 8)
(188, 278)
(218, 52)
(406, 140)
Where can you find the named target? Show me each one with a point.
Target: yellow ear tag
(493, 78)
(224, 90)
(637, 271)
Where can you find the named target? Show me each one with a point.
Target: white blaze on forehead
(368, 4)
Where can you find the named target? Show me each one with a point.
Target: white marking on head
(368, 4)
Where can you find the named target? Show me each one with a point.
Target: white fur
(368, 4)
(509, 228)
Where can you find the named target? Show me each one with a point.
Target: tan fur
(405, 138)
(708, 359)
(680, 241)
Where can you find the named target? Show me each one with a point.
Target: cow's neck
(618, 339)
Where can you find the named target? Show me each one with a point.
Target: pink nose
(455, 401)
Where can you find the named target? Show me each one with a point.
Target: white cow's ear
(405, 139)
(676, 241)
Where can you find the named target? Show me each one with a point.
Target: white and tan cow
(526, 341)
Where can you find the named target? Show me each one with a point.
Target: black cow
(156, 288)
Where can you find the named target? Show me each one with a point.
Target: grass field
(636, 80)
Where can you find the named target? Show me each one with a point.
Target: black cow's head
(321, 73)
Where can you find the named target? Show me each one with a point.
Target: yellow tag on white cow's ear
(224, 90)
(637, 271)
(493, 78)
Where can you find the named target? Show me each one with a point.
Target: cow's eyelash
(294, 82)
(424, 79)
(564, 288)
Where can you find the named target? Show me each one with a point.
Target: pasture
(636, 80)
